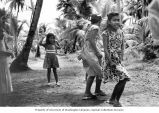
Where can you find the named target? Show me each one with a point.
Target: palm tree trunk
(20, 63)
(143, 8)
(74, 45)
(15, 47)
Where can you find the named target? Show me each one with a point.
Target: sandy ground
(30, 88)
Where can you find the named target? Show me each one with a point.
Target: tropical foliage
(20, 63)
(16, 5)
(75, 16)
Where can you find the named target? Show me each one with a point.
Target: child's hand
(79, 57)
(11, 54)
(99, 56)
(100, 76)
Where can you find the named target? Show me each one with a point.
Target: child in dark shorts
(51, 60)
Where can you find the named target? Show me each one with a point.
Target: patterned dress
(5, 77)
(115, 49)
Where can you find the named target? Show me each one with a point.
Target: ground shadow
(31, 90)
(36, 96)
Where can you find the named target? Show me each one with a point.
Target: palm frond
(4, 24)
(84, 9)
(68, 34)
(14, 25)
(68, 9)
(20, 28)
(16, 4)
(2, 14)
(32, 5)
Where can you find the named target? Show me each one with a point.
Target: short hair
(95, 18)
(111, 15)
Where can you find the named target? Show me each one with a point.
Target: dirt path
(30, 88)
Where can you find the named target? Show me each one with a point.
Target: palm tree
(60, 23)
(15, 31)
(12, 27)
(102, 7)
(68, 9)
(3, 14)
(20, 63)
(138, 8)
(84, 9)
(16, 4)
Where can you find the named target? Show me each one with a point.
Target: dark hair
(111, 15)
(42, 27)
(48, 36)
(79, 25)
(95, 18)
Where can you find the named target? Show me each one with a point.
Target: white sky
(48, 12)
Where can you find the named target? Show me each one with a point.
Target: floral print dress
(115, 47)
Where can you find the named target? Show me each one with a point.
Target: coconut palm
(16, 5)
(32, 9)
(68, 9)
(15, 31)
(3, 19)
(61, 23)
(13, 24)
(138, 8)
(84, 8)
(20, 63)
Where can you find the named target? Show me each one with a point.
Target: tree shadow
(35, 92)
(40, 96)
(78, 102)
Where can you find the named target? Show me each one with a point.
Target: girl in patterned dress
(113, 42)
(51, 60)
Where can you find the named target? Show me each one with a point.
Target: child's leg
(115, 91)
(89, 83)
(98, 90)
(48, 74)
(86, 76)
(55, 74)
(121, 89)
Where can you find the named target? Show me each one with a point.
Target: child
(51, 60)
(42, 31)
(90, 56)
(113, 42)
(5, 78)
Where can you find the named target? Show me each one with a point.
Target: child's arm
(93, 43)
(122, 47)
(57, 45)
(40, 43)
